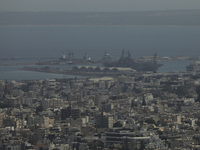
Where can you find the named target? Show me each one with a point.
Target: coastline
(16, 64)
(17, 73)
(68, 72)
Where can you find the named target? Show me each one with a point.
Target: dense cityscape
(124, 110)
(99, 75)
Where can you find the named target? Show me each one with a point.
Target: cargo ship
(127, 61)
(71, 60)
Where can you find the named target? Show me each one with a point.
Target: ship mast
(155, 63)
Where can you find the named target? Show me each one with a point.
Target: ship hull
(143, 66)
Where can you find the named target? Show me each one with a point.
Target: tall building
(107, 107)
(178, 118)
(1, 85)
(104, 121)
(70, 113)
(50, 83)
(1, 119)
(97, 100)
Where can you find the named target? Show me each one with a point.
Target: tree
(133, 105)
(143, 101)
(159, 132)
(150, 121)
(167, 88)
(136, 90)
(39, 109)
(198, 123)
(96, 145)
(25, 88)
(117, 124)
(125, 144)
(3, 105)
(142, 145)
(139, 78)
(156, 94)
(181, 91)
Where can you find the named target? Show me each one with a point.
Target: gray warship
(127, 61)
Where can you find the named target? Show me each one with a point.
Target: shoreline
(73, 73)
(16, 64)
(85, 63)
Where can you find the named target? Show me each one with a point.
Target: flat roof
(119, 68)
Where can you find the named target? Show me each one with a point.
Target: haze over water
(52, 41)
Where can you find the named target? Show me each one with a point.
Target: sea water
(43, 43)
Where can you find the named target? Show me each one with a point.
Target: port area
(55, 61)
(97, 74)
(66, 72)
(17, 64)
(52, 62)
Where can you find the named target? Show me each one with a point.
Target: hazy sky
(97, 5)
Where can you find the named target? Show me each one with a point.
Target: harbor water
(44, 43)
(14, 73)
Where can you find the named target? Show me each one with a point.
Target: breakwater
(16, 64)
(66, 72)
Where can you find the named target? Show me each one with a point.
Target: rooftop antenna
(129, 54)
(69, 54)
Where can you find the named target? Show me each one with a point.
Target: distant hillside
(144, 18)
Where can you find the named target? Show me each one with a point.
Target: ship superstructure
(127, 61)
(106, 57)
(69, 59)
(63, 57)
